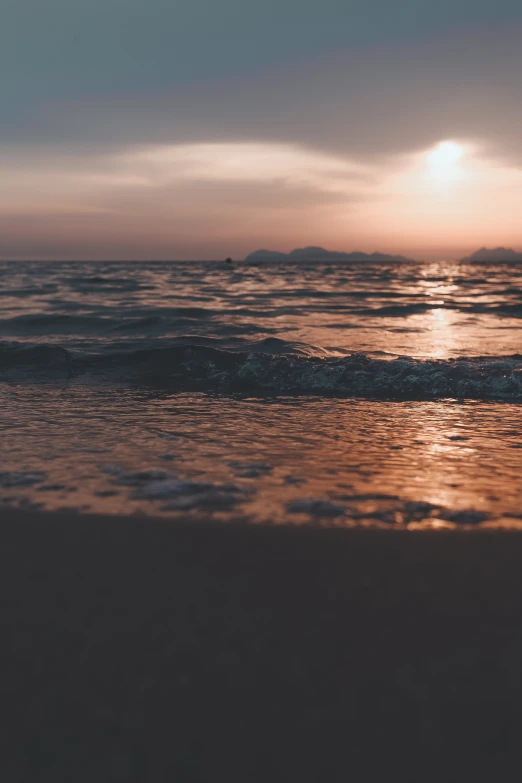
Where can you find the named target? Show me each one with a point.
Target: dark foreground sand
(142, 650)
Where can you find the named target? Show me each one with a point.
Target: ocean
(382, 395)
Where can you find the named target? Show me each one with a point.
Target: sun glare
(444, 161)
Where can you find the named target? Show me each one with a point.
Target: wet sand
(142, 650)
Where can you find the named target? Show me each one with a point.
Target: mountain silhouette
(493, 255)
(320, 254)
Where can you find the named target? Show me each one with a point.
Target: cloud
(204, 129)
(212, 200)
(357, 102)
(172, 201)
(59, 49)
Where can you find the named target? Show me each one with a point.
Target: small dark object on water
(228, 261)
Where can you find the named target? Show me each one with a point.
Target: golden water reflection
(415, 464)
(437, 310)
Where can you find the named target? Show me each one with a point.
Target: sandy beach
(137, 649)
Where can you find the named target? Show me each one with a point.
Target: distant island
(493, 255)
(320, 254)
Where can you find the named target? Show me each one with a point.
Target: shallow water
(339, 395)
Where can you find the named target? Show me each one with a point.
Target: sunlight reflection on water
(433, 310)
(420, 464)
(296, 459)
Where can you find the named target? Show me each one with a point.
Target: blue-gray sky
(148, 128)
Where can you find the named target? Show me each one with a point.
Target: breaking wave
(270, 366)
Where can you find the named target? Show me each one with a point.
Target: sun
(444, 161)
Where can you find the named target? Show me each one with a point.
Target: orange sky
(214, 199)
(201, 130)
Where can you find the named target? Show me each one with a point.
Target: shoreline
(139, 649)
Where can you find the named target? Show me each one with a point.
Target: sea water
(334, 394)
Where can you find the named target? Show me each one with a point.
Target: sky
(197, 129)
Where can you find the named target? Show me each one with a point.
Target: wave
(270, 366)
(157, 321)
(249, 319)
